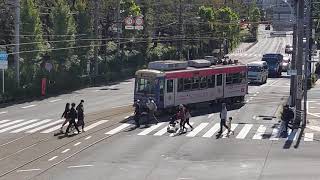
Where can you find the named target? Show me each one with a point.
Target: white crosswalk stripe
(173, 134)
(212, 131)
(18, 125)
(10, 123)
(308, 137)
(45, 126)
(244, 131)
(260, 132)
(275, 134)
(150, 129)
(53, 128)
(31, 126)
(161, 132)
(118, 129)
(197, 130)
(95, 125)
(4, 121)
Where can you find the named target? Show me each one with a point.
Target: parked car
(288, 49)
(285, 63)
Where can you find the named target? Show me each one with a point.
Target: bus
(170, 83)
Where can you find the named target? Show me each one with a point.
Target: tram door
(169, 93)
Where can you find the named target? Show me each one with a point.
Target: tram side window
(211, 81)
(161, 85)
(219, 80)
(195, 83)
(236, 78)
(144, 86)
(180, 85)
(203, 82)
(169, 86)
(187, 83)
(229, 79)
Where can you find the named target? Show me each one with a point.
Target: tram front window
(144, 86)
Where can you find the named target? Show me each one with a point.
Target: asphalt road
(112, 150)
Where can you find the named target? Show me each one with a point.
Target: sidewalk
(314, 106)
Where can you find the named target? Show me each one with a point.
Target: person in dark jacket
(72, 119)
(65, 115)
(137, 113)
(287, 116)
(80, 110)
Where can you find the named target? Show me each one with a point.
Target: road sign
(299, 87)
(129, 22)
(139, 23)
(3, 60)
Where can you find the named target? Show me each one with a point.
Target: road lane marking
(161, 132)
(4, 121)
(18, 125)
(210, 116)
(244, 131)
(64, 151)
(76, 144)
(118, 129)
(45, 126)
(25, 107)
(53, 158)
(260, 132)
(95, 125)
(225, 133)
(28, 170)
(212, 131)
(10, 123)
(308, 137)
(88, 137)
(315, 128)
(80, 166)
(56, 100)
(150, 129)
(275, 134)
(4, 112)
(31, 126)
(54, 128)
(293, 135)
(197, 130)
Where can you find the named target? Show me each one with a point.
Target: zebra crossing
(209, 130)
(44, 126)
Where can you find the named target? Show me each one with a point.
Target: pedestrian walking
(80, 110)
(65, 115)
(223, 117)
(182, 116)
(187, 118)
(229, 126)
(152, 108)
(72, 119)
(137, 113)
(287, 116)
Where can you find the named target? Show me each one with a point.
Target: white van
(258, 72)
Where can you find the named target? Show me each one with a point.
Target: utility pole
(293, 59)
(118, 28)
(299, 62)
(96, 32)
(306, 61)
(17, 40)
(180, 31)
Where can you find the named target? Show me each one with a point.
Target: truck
(274, 64)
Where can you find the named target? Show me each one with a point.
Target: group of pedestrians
(71, 114)
(151, 110)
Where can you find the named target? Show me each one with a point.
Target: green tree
(32, 29)
(63, 31)
(84, 29)
(254, 18)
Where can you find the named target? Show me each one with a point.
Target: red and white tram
(171, 83)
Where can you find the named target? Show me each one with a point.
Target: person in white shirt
(152, 107)
(223, 117)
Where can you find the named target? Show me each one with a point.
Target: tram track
(40, 142)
